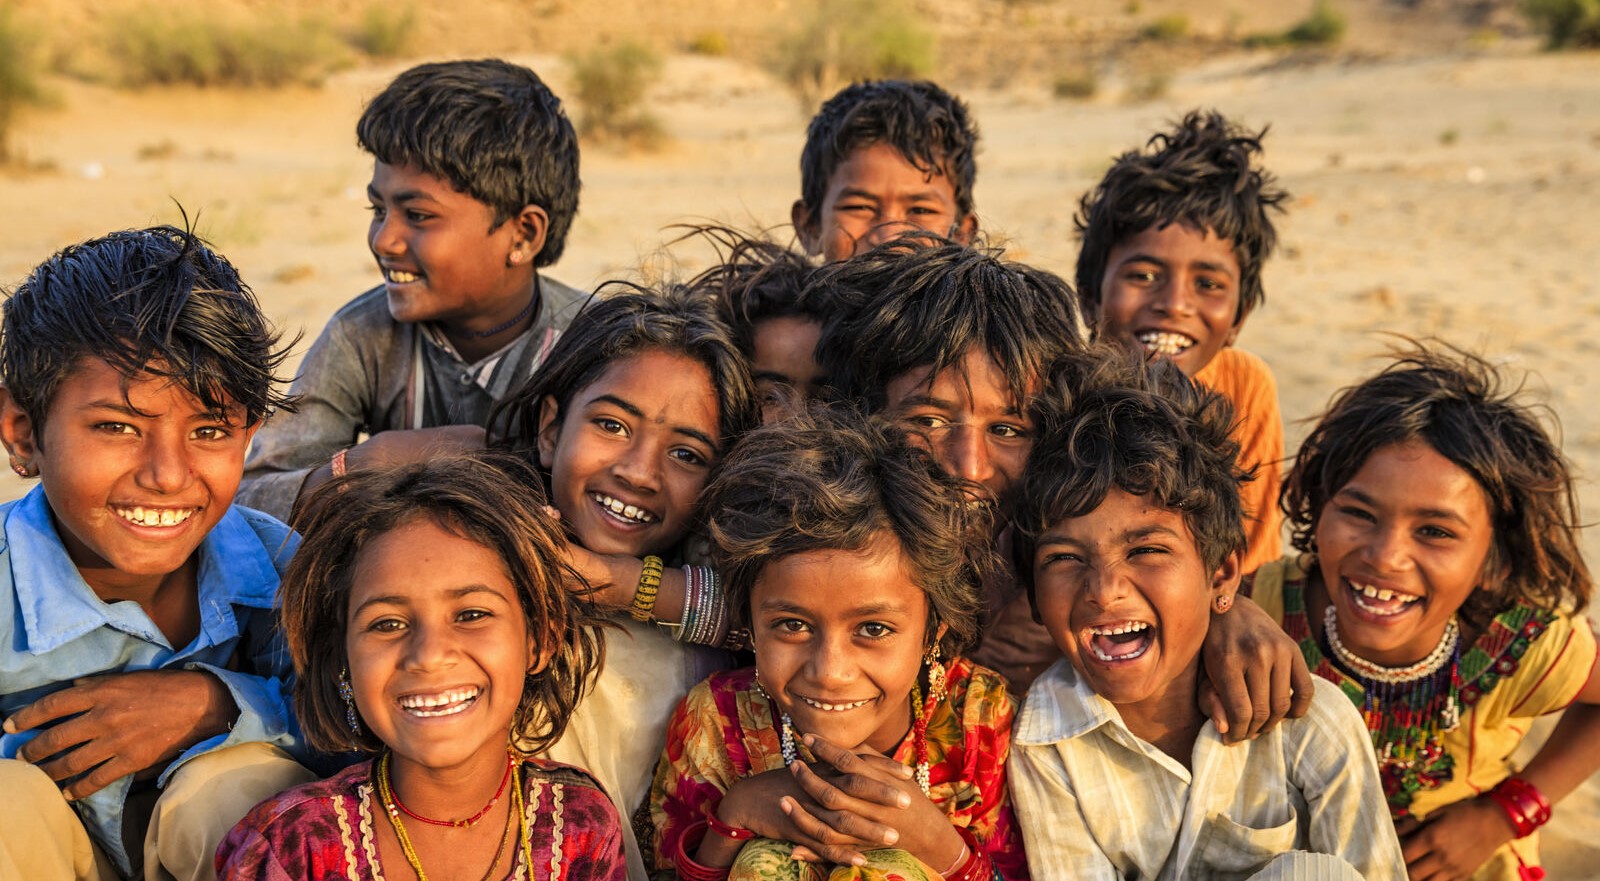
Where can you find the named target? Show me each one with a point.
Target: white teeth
(399, 277)
(623, 509)
(143, 516)
(447, 704)
(1161, 342)
(1383, 596)
(835, 708)
(1095, 650)
(1130, 627)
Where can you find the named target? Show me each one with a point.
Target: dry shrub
(201, 47)
(610, 85)
(843, 41)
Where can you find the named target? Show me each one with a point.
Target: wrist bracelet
(336, 464)
(644, 596)
(1525, 806)
(688, 869)
(976, 867)
(734, 832)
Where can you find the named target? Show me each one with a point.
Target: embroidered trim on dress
(346, 838)
(556, 791)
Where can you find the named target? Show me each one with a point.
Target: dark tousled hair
(493, 129)
(756, 279)
(1108, 420)
(1201, 174)
(922, 301)
(1459, 405)
(833, 479)
(153, 302)
(929, 126)
(485, 498)
(625, 320)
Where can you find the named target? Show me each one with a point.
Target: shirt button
(466, 379)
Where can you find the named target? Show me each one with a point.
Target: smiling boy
(1174, 238)
(883, 158)
(474, 187)
(137, 622)
(1130, 538)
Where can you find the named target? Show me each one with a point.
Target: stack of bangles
(705, 608)
(971, 864)
(1525, 806)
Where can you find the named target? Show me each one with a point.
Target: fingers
(1280, 695)
(1302, 686)
(821, 839)
(848, 762)
(853, 792)
(66, 702)
(1211, 707)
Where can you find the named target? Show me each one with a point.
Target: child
(431, 624)
(882, 158)
(139, 662)
(635, 406)
(474, 186)
(1174, 239)
(1129, 534)
(1442, 590)
(854, 563)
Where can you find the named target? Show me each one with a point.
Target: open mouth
(835, 707)
(1165, 342)
(1381, 602)
(1120, 642)
(447, 703)
(142, 516)
(631, 515)
(396, 276)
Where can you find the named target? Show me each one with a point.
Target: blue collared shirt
(54, 629)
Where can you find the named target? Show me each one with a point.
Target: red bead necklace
(393, 802)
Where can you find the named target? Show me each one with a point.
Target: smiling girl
(1442, 589)
(429, 619)
(854, 563)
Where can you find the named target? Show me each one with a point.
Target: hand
(859, 794)
(1256, 675)
(764, 804)
(391, 448)
(1454, 841)
(129, 723)
(605, 576)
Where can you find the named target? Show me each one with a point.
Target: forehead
(1179, 241)
(881, 166)
(975, 383)
(402, 182)
(670, 385)
(1121, 517)
(93, 381)
(1413, 474)
(842, 583)
(421, 560)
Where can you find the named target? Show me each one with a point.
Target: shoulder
(551, 771)
(1531, 661)
(1269, 584)
(1243, 377)
(308, 804)
(277, 539)
(978, 690)
(362, 320)
(561, 302)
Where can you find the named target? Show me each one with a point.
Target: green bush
(610, 85)
(1325, 25)
(1566, 23)
(1166, 28)
(842, 41)
(385, 31)
(710, 43)
(197, 47)
(19, 76)
(1079, 85)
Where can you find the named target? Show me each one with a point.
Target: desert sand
(1447, 194)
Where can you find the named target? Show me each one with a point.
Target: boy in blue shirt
(474, 186)
(139, 660)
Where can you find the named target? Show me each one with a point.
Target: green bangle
(644, 596)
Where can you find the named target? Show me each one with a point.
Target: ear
(531, 224)
(805, 226)
(966, 229)
(549, 431)
(1233, 332)
(1225, 581)
(939, 634)
(16, 428)
(540, 652)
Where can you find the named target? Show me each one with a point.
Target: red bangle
(688, 869)
(976, 867)
(726, 831)
(1525, 806)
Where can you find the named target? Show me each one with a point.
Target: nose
(890, 223)
(1387, 550)
(166, 468)
(964, 453)
(383, 235)
(639, 467)
(1173, 296)
(430, 647)
(832, 664)
(1102, 588)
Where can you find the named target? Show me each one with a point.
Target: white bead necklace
(1366, 669)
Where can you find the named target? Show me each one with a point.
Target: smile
(142, 516)
(623, 510)
(1120, 642)
(447, 703)
(395, 276)
(835, 708)
(1380, 602)
(1165, 342)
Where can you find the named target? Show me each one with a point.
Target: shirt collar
(1061, 706)
(58, 606)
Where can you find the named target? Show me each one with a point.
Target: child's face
(874, 195)
(1127, 597)
(1400, 548)
(628, 461)
(136, 482)
(443, 257)
(968, 418)
(1173, 291)
(839, 638)
(438, 647)
(783, 353)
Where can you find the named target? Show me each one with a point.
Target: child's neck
(172, 601)
(484, 335)
(448, 792)
(1170, 719)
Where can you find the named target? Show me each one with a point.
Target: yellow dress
(1528, 663)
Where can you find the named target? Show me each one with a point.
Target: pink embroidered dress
(725, 730)
(324, 831)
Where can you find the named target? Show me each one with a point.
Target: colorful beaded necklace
(1406, 708)
(518, 818)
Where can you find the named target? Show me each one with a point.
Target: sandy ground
(1442, 196)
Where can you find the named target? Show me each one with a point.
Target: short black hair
(929, 126)
(1462, 407)
(922, 301)
(1109, 420)
(158, 302)
(1201, 174)
(754, 279)
(493, 129)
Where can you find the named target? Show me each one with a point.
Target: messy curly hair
(833, 479)
(487, 498)
(1201, 174)
(1461, 406)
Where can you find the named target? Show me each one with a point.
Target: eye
(470, 615)
(1010, 432)
(926, 420)
(377, 210)
(609, 425)
(1140, 276)
(853, 207)
(790, 626)
(1211, 285)
(875, 630)
(212, 432)
(688, 456)
(1357, 513)
(416, 216)
(1059, 557)
(1147, 550)
(386, 625)
(114, 428)
(924, 211)
(1435, 532)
